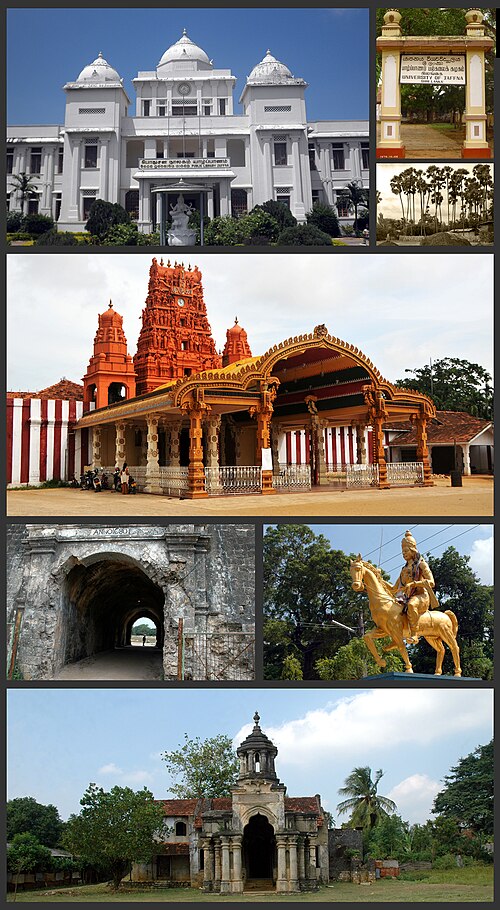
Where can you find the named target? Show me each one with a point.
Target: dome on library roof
(184, 49)
(98, 71)
(270, 70)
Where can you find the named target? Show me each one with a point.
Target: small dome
(235, 329)
(98, 71)
(184, 49)
(270, 70)
(110, 316)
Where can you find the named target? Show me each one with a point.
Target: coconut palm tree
(356, 196)
(24, 186)
(366, 806)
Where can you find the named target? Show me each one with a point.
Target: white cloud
(481, 559)
(126, 777)
(414, 797)
(110, 769)
(365, 727)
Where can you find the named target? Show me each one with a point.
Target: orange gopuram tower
(176, 338)
(236, 347)
(110, 375)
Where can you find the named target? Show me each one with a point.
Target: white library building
(184, 137)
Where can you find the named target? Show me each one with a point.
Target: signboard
(267, 460)
(432, 69)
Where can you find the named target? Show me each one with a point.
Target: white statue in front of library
(180, 234)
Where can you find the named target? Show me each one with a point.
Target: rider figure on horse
(414, 587)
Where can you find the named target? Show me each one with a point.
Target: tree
(26, 854)
(308, 599)
(354, 661)
(105, 215)
(114, 829)
(24, 814)
(280, 212)
(324, 217)
(366, 806)
(356, 197)
(207, 768)
(454, 385)
(459, 589)
(25, 185)
(390, 838)
(467, 797)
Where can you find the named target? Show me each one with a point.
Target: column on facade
(318, 440)
(282, 881)
(466, 457)
(379, 451)
(475, 144)
(217, 865)
(74, 206)
(48, 171)
(120, 455)
(263, 413)
(422, 449)
(390, 144)
(210, 202)
(144, 206)
(360, 443)
(294, 871)
(103, 169)
(298, 188)
(96, 447)
(225, 882)
(175, 443)
(237, 882)
(153, 479)
(301, 858)
(208, 868)
(225, 196)
(275, 438)
(197, 410)
(212, 426)
(326, 169)
(144, 446)
(312, 858)
(268, 183)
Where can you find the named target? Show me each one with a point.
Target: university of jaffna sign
(433, 69)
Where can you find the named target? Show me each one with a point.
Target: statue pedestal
(179, 237)
(430, 677)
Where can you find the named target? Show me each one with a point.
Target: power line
(450, 539)
(441, 531)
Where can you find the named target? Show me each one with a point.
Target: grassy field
(471, 885)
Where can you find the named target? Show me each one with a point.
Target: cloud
(110, 769)
(481, 559)
(414, 797)
(365, 727)
(126, 777)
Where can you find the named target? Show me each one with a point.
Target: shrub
(121, 235)
(224, 231)
(105, 215)
(304, 235)
(324, 217)
(37, 224)
(347, 230)
(57, 238)
(18, 235)
(14, 221)
(82, 238)
(280, 212)
(259, 223)
(448, 861)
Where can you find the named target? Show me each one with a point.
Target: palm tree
(24, 185)
(356, 196)
(367, 807)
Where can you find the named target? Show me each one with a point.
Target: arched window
(180, 829)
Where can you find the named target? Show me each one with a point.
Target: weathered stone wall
(341, 840)
(80, 587)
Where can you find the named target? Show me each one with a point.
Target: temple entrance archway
(259, 849)
(102, 597)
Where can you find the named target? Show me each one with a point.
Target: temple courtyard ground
(467, 885)
(474, 498)
(121, 664)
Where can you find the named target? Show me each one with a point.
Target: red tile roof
(64, 390)
(450, 427)
(302, 804)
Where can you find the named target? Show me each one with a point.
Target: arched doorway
(102, 597)
(259, 849)
(143, 632)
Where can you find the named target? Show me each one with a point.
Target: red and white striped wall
(41, 441)
(340, 446)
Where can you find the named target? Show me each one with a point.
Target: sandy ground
(424, 141)
(128, 663)
(475, 497)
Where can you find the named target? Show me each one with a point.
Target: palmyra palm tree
(25, 186)
(367, 807)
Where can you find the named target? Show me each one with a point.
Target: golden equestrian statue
(403, 611)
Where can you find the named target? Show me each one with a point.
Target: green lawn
(472, 885)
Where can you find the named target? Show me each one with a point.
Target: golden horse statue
(436, 627)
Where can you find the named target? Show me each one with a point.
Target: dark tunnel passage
(101, 601)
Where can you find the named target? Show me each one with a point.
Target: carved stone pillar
(144, 447)
(225, 882)
(120, 453)
(208, 868)
(197, 411)
(237, 883)
(379, 452)
(175, 443)
(282, 881)
(263, 413)
(360, 443)
(217, 866)
(422, 449)
(294, 871)
(153, 483)
(96, 447)
(275, 438)
(301, 860)
(312, 860)
(212, 426)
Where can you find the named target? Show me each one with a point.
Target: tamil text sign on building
(433, 69)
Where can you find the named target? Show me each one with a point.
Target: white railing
(233, 479)
(336, 474)
(174, 480)
(405, 474)
(183, 164)
(138, 472)
(292, 477)
(362, 475)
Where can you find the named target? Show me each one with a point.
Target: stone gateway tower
(76, 591)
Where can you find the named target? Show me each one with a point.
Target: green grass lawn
(473, 884)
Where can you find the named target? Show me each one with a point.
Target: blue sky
(381, 543)
(385, 305)
(326, 47)
(62, 739)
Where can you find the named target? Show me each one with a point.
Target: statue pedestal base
(400, 677)
(181, 238)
